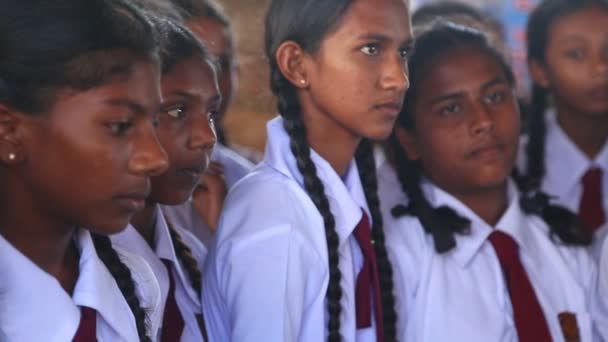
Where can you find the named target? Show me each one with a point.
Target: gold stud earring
(303, 82)
(11, 156)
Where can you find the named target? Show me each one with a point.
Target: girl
(293, 259)
(567, 149)
(468, 251)
(78, 146)
(200, 214)
(186, 132)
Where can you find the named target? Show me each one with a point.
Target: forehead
(214, 35)
(458, 70)
(583, 23)
(193, 75)
(387, 17)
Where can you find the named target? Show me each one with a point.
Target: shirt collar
(165, 249)
(513, 222)
(346, 196)
(565, 163)
(26, 311)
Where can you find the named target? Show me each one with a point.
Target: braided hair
(307, 23)
(443, 222)
(124, 280)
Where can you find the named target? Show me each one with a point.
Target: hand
(208, 197)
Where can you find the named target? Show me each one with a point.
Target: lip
(391, 108)
(133, 201)
(486, 151)
(193, 171)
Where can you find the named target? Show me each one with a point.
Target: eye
(404, 53)
(119, 128)
(177, 112)
(495, 97)
(575, 54)
(212, 116)
(450, 109)
(370, 49)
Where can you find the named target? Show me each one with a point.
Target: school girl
(186, 132)
(294, 258)
(474, 260)
(566, 154)
(201, 213)
(79, 98)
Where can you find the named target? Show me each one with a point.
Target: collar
(29, 289)
(346, 196)
(565, 163)
(165, 249)
(513, 222)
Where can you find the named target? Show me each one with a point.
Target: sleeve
(260, 273)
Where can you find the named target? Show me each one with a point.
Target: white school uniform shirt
(565, 166)
(462, 295)
(187, 299)
(34, 306)
(267, 271)
(184, 215)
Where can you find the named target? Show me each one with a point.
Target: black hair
(538, 32)
(307, 23)
(530, 179)
(458, 12)
(443, 222)
(180, 43)
(46, 46)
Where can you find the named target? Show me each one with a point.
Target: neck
(38, 234)
(336, 144)
(589, 132)
(489, 204)
(145, 223)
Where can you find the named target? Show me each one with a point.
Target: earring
(11, 156)
(303, 82)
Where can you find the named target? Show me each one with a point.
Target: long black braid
(366, 165)
(124, 280)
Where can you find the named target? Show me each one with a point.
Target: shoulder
(235, 166)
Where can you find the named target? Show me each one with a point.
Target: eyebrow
(189, 96)
(131, 105)
(457, 95)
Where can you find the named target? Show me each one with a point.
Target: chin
(109, 227)
(379, 134)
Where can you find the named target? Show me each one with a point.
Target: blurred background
(253, 104)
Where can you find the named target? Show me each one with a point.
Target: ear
(290, 59)
(11, 146)
(539, 74)
(408, 142)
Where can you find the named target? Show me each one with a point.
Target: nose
(601, 66)
(395, 74)
(148, 159)
(202, 134)
(482, 121)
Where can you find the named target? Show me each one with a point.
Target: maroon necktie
(173, 322)
(590, 208)
(367, 280)
(87, 329)
(529, 318)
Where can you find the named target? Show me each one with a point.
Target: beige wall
(253, 104)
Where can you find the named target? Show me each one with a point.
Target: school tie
(590, 208)
(173, 322)
(87, 329)
(529, 319)
(368, 280)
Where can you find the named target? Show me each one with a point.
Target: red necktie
(173, 322)
(590, 208)
(368, 280)
(529, 318)
(87, 329)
